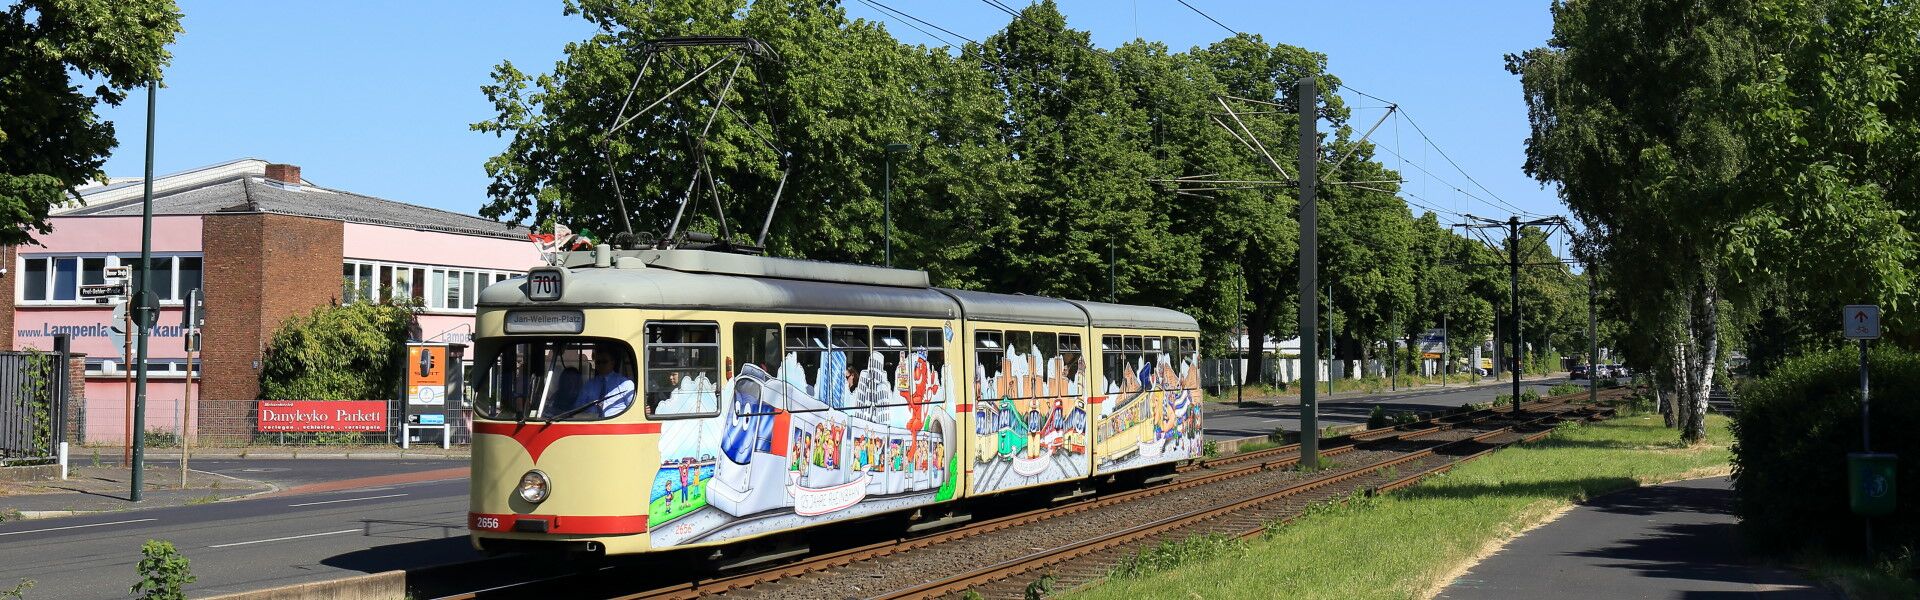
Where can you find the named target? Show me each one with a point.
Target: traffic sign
(1861, 321)
(149, 308)
(117, 329)
(121, 274)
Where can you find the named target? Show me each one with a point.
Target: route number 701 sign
(544, 285)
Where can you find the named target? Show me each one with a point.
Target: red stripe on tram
(562, 524)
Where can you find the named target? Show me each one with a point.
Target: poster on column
(426, 375)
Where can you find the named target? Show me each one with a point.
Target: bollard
(63, 461)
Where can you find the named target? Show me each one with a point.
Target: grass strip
(1411, 543)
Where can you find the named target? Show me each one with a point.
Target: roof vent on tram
(284, 176)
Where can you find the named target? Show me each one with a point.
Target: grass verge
(1411, 543)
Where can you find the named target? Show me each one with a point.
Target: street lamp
(886, 207)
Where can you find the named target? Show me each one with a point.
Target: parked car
(1577, 372)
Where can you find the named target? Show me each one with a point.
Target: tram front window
(570, 380)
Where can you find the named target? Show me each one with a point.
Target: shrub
(163, 572)
(1565, 388)
(351, 352)
(1377, 418)
(1791, 438)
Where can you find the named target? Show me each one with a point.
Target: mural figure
(1025, 431)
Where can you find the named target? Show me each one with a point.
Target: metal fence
(33, 407)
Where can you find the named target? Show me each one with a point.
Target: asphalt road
(1673, 541)
(246, 544)
(1233, 422)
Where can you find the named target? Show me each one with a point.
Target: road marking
(345, 500)
(282, 539)
(76, 526)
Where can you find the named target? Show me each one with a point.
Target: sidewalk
(1668, 541)
(105, 488)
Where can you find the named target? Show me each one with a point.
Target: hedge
(1792, 433)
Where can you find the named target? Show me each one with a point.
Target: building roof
(248, 194)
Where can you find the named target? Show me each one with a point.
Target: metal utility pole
(1446, 350)
(1513, 274)
(1593, 335)
(140, 303)
(886, 205)
(1307, 99)
(1330, 374)
(1512, 226)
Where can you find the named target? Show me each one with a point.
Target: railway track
(1275, 488)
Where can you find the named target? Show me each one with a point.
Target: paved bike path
(1667, 541)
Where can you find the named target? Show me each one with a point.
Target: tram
(634, 401)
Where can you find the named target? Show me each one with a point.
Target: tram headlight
(534, 486)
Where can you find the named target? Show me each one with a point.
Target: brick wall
(7, 261)
(260, 270)
(76, 397)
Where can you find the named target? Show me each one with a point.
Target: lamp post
(886, 207)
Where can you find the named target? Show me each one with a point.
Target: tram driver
(609, 387)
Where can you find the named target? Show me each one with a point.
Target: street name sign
(1861, 321)
(102, 291)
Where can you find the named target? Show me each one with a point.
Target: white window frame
(173, 275)
(434, 301)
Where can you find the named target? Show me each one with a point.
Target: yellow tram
(638, 400)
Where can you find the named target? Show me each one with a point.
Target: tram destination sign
(545, 321)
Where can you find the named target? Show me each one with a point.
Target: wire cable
(1208, 16)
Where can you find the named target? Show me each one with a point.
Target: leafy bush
(1791, 438)
(1377, 418)
(351, 352)
(163, 572)
(1565, 388)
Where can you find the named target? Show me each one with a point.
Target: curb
(384, 585)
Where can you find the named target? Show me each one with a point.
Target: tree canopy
(1037, 163)
(51, 52)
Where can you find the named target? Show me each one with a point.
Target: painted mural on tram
(1151, 411)
(1030, 411)
(818, 423)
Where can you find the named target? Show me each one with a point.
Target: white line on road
(282, 539)
(345, 500)
(76, 526)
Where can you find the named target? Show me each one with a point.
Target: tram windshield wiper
(576, 410)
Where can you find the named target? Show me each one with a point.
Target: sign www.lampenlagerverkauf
(323, 415)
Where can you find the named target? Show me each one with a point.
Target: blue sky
(375, 97)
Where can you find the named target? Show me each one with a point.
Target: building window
(432, 288)
(156, 367)
(57, 279)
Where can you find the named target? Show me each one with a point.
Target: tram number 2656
(486, 523)
(543, 285)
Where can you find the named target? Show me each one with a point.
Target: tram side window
(1021, 363)
(850, 353)
(757, 344)
(1113, 362)
(683, 369)
(891, 344)
(932, 343)
(807, 345)
(989, 352)
(1190, 352)
(1150, 361)
(1047, 378)
(1136, 364)
(1069, 360)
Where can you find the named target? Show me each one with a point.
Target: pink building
(263, 244)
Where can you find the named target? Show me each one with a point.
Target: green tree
(51, 140)
(1715, 148)
(351, 352)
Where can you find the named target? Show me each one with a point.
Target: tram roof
(669, 289)
(1128, 316)
(1017, 308)
(701, 280)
